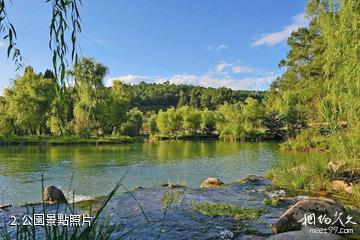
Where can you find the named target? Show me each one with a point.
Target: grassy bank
(332, 165)
(66, 140)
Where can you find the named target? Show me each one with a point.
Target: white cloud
(224, 74)
(2, 44)
(271, 39)
(130, 79)
(225, 68)
(217, 47)
(221, 67)
(241, 69)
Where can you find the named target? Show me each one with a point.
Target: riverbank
(66, 140)
(74, 140)
(332, 165)
(159, 137)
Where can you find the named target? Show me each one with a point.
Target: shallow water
(93, 170)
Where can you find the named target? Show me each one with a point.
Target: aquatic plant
(227, 210)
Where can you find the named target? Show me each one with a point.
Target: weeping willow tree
(340, 24)
(341, 31)
(64, 27)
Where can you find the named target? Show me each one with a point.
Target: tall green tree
(133, 124)
(29, 101)
(6, 122)
(90, 97)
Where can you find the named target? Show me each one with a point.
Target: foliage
(322, 86)
(153, 97)
(150, 126)
(29, 101)
(91, 98)
(62, 13)
(133, 125)
(208, 121)
(274, 124)
(170, 197)
(227, 210)
(240, 121)
(7, 27)
(6, 123)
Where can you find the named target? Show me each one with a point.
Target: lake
(93, 170)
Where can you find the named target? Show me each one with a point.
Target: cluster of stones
(289, 224)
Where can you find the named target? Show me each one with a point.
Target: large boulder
(292, 219)
(53, 195)
(211, 182)
(304, 234)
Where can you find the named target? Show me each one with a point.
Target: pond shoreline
(71, 140)
(74, 140)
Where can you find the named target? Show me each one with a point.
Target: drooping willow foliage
(65, 25)
(9, 32)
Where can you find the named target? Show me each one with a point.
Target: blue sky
(231, 43)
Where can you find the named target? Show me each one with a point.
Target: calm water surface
(95, 169)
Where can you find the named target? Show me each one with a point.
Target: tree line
(321, 82)
(87, 108)
(318, 93)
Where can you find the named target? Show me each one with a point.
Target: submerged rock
(277, 194)
(291, 220)
(186, 213)
(211, 182)
(171, 186)
(170, 217)
(53, 195)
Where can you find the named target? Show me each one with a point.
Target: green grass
(307, 140)
(228, 210)
(65, 140)
(171, 197)
(312, 174)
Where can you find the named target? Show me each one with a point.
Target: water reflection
(97, 168)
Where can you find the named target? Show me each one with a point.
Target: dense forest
(153, 97)
(87, 108)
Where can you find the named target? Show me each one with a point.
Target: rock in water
(211, 182)
(291, 219)
(302, 235)
(53, 195)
